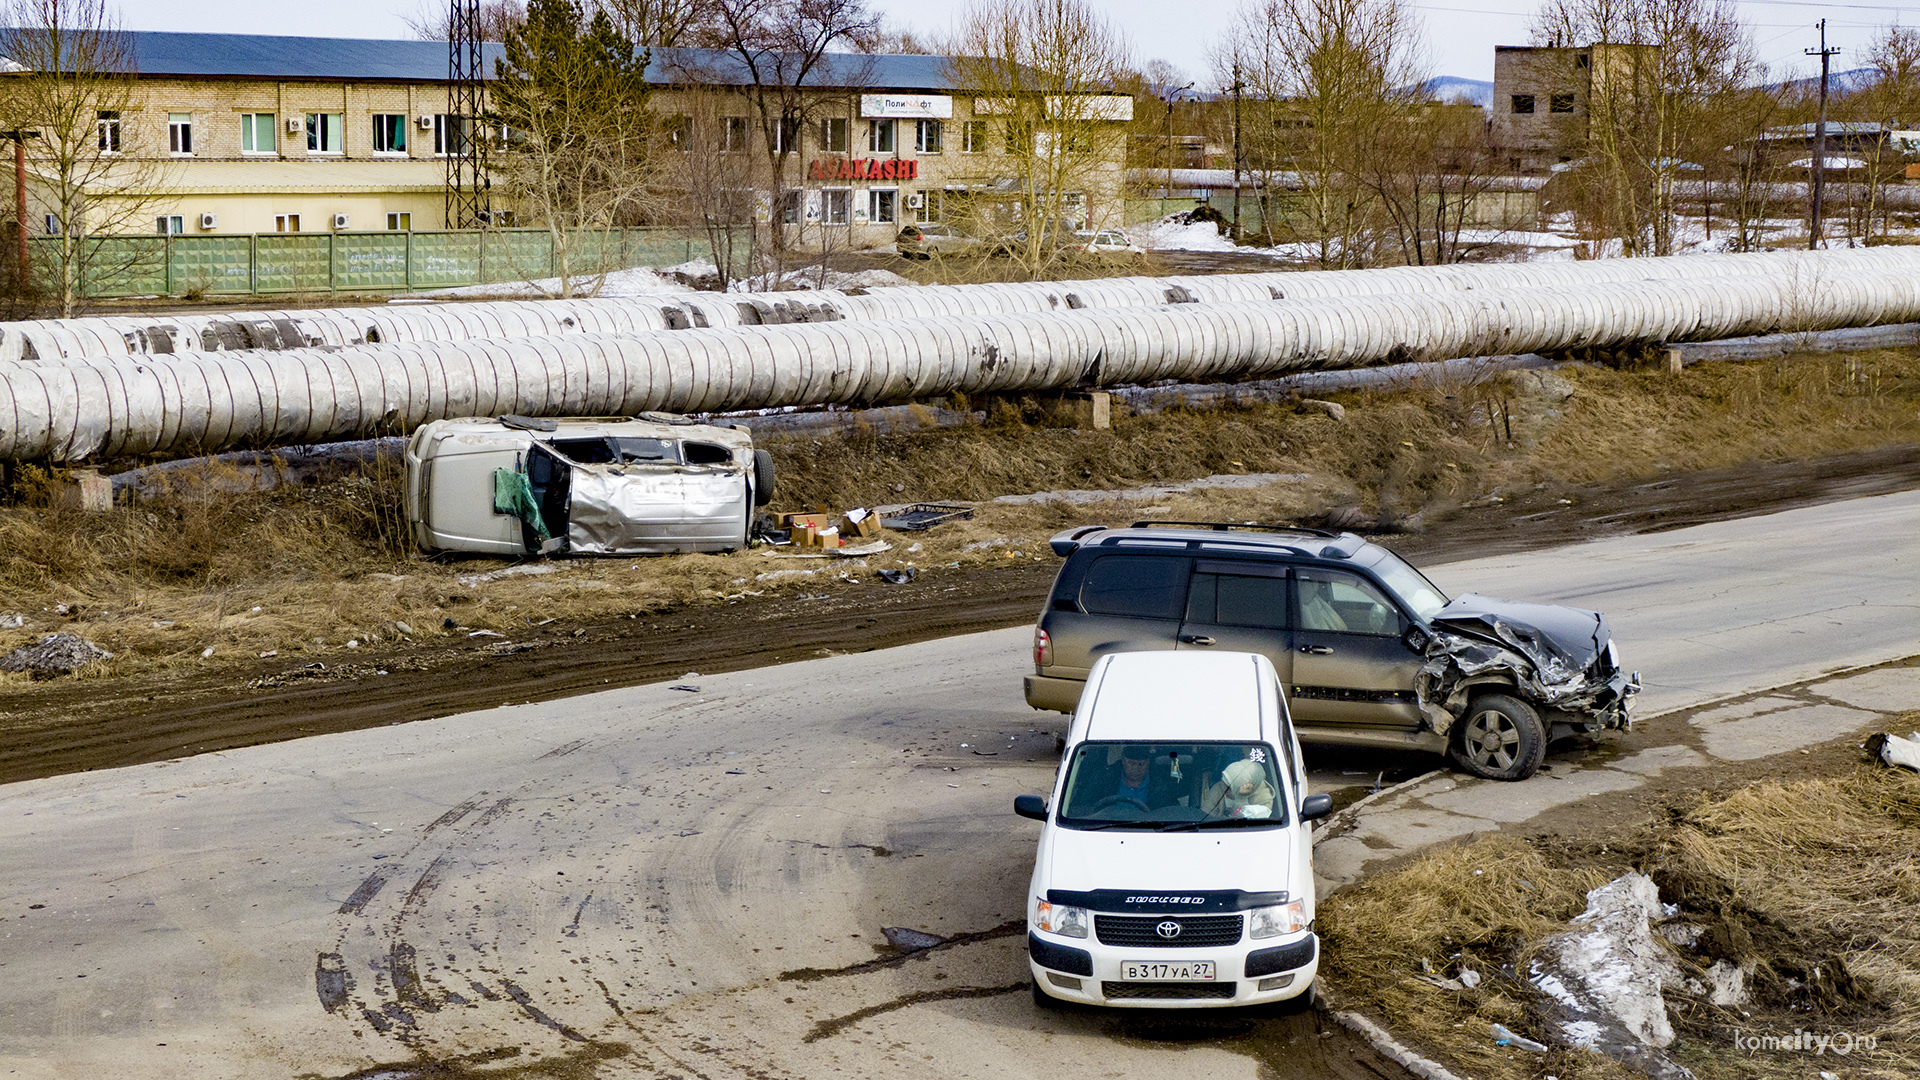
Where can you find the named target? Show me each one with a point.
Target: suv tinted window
(1141, 586)
(1219, 599)
(1344, 603)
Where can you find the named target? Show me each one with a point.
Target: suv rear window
(1140, 586)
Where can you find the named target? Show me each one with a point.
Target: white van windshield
(1170, 786)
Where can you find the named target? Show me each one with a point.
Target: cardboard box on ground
(824, 529)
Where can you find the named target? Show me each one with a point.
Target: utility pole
(1237, 86)
(462, 138)
(1820, 142)
(20, 265)
(1166, 188)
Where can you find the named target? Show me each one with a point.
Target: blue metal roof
(159, 52)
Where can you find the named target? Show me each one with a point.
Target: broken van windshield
(1153, 785)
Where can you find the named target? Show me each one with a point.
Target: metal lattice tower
(460, 133)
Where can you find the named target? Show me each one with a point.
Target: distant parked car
(1370, 652)
(932, 238)
(1106, 242)
(611, 485)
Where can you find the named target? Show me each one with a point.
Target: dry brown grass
(306, 570)
(1815, 884)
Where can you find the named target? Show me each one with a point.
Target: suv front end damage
(1561, 658)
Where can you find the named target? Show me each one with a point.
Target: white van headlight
(1060, 919)
(1277, 920)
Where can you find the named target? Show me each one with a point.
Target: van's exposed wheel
(762, 478)
(1500, 738)
(1044, 1000)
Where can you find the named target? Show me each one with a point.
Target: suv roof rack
(1223, 526)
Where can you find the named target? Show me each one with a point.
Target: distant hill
(1451, 88)
(1839, 83)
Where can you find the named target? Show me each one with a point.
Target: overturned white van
(645, 485)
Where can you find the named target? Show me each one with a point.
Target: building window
(170, 224)
(883, 205)
(389, 133)
(786, 135)
(323, 133)
(449, 134)
(679, 129)
(1011, 138)
(834, 203)
(925, 206)
(833, 135)
(1523, 103)
(53, 225)
(109, 124)
(733, 135)
(1562, 103)
(180, 133)
(973, 137)
(880, 136)
(790, 207)
(1580, 60)
(256, 133)
(286, 223)
(926, 137)
(400, 222)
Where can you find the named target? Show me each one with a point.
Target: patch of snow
(813, 277)
(635, 281)
(1173, 233)
(1581, 1033)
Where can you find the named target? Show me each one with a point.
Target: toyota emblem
(1168, 929)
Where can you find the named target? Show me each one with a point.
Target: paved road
(662, 881)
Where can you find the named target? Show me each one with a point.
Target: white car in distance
(1175, 868)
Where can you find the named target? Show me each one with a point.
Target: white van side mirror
(1035, 807)
(1315, 807)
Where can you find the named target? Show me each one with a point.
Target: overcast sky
(1460, 33)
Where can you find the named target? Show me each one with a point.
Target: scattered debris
(206, 653)
(910, 940)
(688, 687)
(485, 633)
(918, 517)
(1503, 1037)
(1895, 752)
(12, 622)
(898, 577)
(54, 654)
(470, 580)
(1331, 408)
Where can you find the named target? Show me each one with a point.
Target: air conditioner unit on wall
(425, 122)
(293, 125)
(916, 200)
(209, 221)
(341, 221)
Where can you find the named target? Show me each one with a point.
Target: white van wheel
(1044, 1000)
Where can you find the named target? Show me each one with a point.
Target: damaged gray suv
(1370, 652)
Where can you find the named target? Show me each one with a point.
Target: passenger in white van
(1242, 784)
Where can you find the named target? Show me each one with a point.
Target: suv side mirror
(1035, 807)
(1416, 639)
(1315, 807)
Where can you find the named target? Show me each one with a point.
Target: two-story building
(258, 134)
(1543, 97)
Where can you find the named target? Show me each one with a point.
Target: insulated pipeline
(204, 402)
(59, 340)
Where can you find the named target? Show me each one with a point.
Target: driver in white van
(1136, 785)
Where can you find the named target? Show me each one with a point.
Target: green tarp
(512, 494)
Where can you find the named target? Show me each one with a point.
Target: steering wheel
(1112, 799)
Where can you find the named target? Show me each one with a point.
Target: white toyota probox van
(1175, 870)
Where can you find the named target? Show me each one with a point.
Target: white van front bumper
(1248, 973)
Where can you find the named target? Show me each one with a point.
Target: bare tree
(1318, 79)
(661, 24)
(1049, 74)
(1432, 171)
(572, 98)
(72, 81)
(712, 175)
(432, 21)
(780, 54)
(1659, 70)
(1891, 98)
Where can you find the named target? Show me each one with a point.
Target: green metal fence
(353, 262)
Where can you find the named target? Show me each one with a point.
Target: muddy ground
(76, 725)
